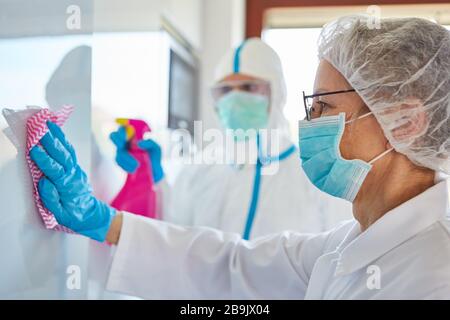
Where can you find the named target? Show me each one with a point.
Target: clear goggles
(261, 87)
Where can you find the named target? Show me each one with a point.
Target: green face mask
(245, 111)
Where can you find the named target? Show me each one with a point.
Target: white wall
(146, 15)
(20, 18)
(210, 26)
(186, 16)
(223, 27)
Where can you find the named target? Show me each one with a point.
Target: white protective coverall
(230, 197)
(403, 255)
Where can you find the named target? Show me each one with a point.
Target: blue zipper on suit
(259, 163)
(257, 185)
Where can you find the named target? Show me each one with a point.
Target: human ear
(412, 122)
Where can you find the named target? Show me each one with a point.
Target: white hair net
(257, 59)
(402, 72)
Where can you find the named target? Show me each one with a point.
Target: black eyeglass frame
(307, 111)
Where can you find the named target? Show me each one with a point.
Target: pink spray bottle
(137, 195)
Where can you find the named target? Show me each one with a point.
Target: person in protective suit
(261, 189)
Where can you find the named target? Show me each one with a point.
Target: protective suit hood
(255, 58)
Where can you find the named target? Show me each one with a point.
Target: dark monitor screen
(183, 95)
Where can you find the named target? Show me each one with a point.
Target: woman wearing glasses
(240, 184)
(376, 134)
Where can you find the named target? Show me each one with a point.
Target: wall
(210, 26)
(19, 18)
(146, 15)
(223, 28)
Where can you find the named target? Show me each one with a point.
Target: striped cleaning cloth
(36, 129)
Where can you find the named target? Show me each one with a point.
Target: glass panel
(45, 60)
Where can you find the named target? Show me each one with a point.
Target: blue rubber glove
(154, 151)
(64, 189)
(123, 158)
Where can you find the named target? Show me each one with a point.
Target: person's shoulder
(441, 235)
(440, 231)
(426, 258)
(445, 224)
(433, 239)
(429, 251)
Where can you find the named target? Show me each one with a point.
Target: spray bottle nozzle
(134, 128)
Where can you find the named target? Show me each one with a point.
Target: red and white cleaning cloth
(36, 127)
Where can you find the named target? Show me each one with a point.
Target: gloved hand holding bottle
(128, 163)
(65, 190)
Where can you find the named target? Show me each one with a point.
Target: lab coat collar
(358, 249)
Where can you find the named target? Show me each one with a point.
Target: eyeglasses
(252, 86)
(313, 108)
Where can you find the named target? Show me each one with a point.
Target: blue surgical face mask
(322, 160)
(243, 110)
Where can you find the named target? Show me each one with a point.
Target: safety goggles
(251, 86)
(314, 107)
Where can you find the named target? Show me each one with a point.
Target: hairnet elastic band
(237, 58)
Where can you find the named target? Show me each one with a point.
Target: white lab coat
(407, 250)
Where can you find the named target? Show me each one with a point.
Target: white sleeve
(159, 260)
(179, 204)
